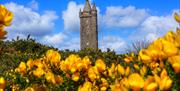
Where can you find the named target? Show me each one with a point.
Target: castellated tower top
(88, 10)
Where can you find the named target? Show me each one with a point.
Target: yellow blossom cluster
(136, 82)
(74, 65)
(42, 67)
(162, 49)
(5, 20)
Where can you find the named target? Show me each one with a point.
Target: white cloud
(34, 5)
(158, 23)
(62, 41)
(156, 26)
(151, 36)
(55, 39)
(71, 44)
(123, 17)
(71, 16)
(26, 21)
(112, 42)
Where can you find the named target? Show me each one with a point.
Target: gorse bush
(17, 50)
(12, 52)
(29, 66)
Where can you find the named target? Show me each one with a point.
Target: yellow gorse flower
(29, 89)
(149, 84)
(92, 73)
(176, 67)
(143, 55)
(73, 63)
(5, 16)
(101, 66)
(112, 71)
(170, 36)
(5, 20)
(127, 71)
(75, 76)
(104, 85)
(177, 17)
(2, 83)
(124, 85)
(15, 87)
(169, 48)
(87, 86)
(164, 81)
(136, 81)
(30, 63)
(120, 69)
(115, 87)
(39, 63)
(152, 87)
(53, 56)
(38, 72)
(86, 62)
(143, 70)
(63, 66)
(21, 68)
(136, 66)
(50, 77)
(174, 61)
(130, 58)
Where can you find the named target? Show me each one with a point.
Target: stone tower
(88, 26)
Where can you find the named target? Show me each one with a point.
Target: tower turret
(87, 7)
(94, 10)
(94, 7)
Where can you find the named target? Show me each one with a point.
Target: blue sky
(121, 22)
